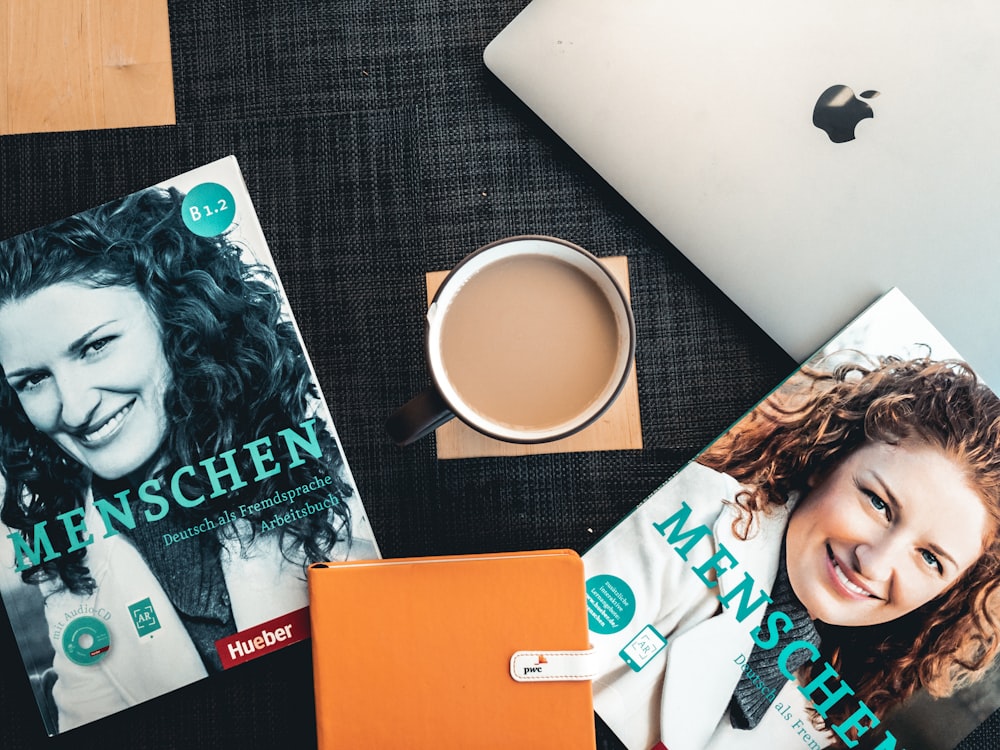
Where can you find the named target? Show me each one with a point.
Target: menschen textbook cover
(824, 573)
(169, 465)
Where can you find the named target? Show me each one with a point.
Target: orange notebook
(467, 651)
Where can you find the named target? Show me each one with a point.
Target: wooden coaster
(84, 64)
(619, 428)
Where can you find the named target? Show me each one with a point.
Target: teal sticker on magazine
(86, 640)
(209, 209)
(610, 604)
(144, 617)
(647, 643)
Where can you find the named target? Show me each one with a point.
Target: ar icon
(144, 617)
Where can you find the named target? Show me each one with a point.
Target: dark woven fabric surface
(985, 737)
(377, 147)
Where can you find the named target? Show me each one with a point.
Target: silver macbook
(807, 156)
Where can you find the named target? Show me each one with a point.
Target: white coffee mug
(529, 339)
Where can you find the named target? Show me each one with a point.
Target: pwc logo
(537, 667)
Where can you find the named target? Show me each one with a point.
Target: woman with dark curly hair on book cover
(832, 554)
(168, 464)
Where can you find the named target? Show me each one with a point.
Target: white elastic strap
(550, 666)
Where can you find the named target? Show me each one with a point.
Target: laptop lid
(711, 118)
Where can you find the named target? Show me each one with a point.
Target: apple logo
(838, 111)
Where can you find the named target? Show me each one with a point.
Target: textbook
(817, 576)
(169, 465)
(468, 651)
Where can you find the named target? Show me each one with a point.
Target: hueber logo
(264, 638)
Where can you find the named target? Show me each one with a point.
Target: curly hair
(816, 420)
(237, 372)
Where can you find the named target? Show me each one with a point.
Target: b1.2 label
(208, 209)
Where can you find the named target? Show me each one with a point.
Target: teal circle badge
(208, 209)
(86, 640)
(610, 604)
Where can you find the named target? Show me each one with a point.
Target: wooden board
(84, 64)
(619, 428)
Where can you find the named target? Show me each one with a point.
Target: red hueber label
(264, 638)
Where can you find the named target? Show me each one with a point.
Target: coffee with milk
(529, 339)
(530, 342)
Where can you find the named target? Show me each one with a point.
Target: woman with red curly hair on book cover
(833, 554)
(158, 413)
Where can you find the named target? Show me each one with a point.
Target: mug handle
(418, 417)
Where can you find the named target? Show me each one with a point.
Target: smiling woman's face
(889, 529)
(88, 367)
